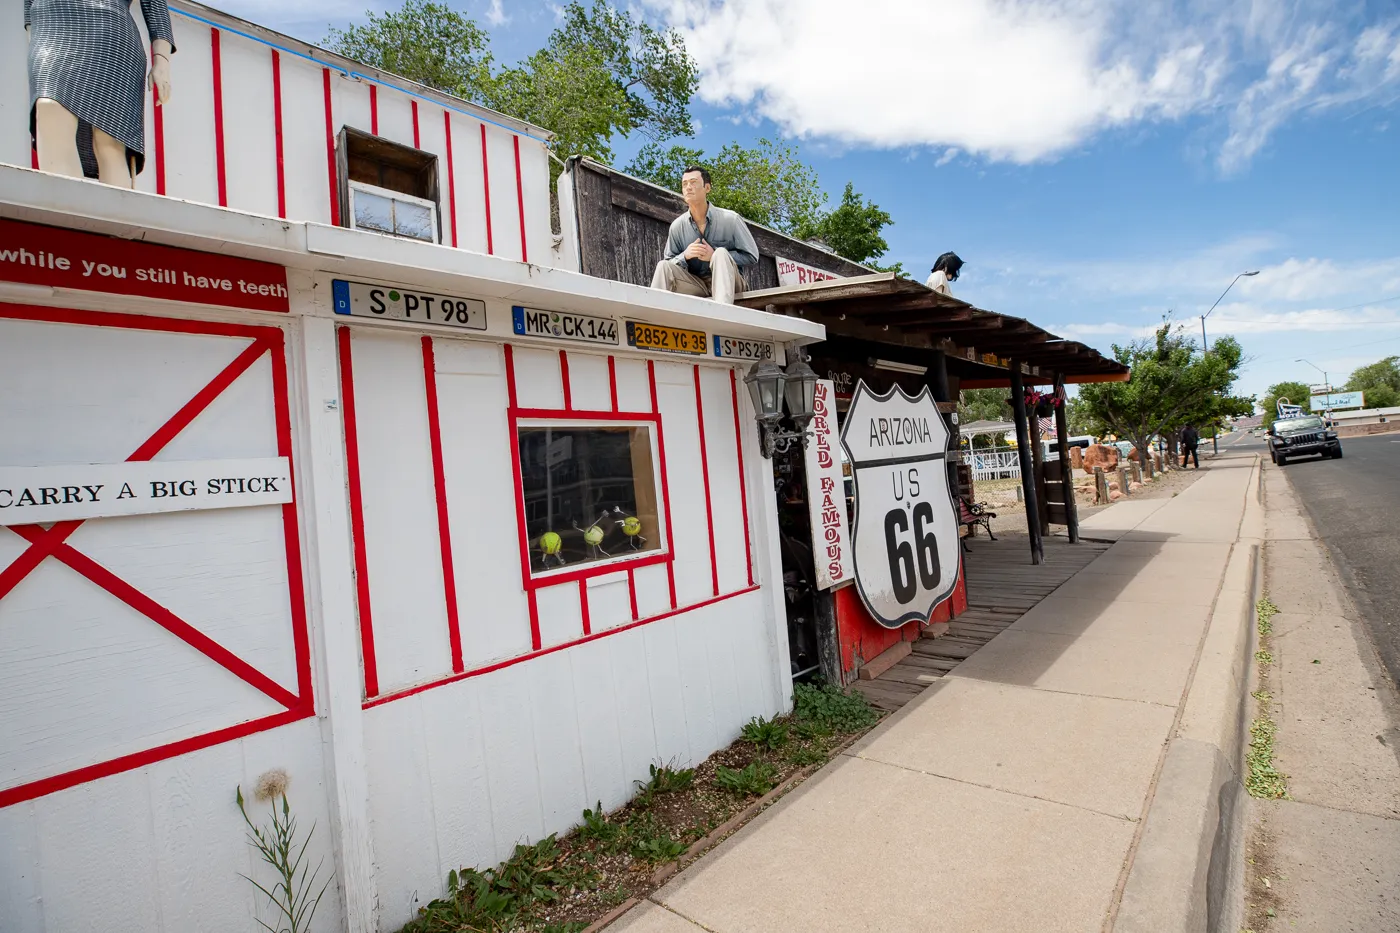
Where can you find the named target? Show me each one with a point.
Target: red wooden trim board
(357, 513)
(743, 478)
(277, 134)
(564, 380)
(157, 130)
(220, 168)
(519, 492)
(520, 200)
(416, 143)
(451, 178)
(486, 186)
(449, 577)
(665, 483)
(331, 173)
(374, 109)
(705, 476)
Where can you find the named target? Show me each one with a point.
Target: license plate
(388, 302)
(735, 348)
(564, 325)
(665, 339)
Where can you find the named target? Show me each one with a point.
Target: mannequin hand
(160, 71)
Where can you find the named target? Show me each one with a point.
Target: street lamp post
(1326, 382)
(1205, 347)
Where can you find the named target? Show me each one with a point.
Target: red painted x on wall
(51, 544)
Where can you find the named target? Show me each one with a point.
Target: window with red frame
(591, 493)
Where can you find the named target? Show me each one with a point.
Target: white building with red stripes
(452, 535)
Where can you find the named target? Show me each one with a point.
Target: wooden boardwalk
(1002, 586)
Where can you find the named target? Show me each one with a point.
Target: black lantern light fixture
(769, 386)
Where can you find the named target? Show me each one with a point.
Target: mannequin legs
(56, 131)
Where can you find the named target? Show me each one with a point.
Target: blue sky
(1096, 164)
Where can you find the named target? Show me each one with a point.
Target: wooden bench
(971, 514)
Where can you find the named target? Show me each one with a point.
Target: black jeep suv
(1302, 436)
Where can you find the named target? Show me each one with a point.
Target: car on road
(1302, 436)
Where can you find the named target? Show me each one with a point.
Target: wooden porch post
(1023, 455)
(1066, 470)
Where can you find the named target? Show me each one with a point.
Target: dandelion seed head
(272, 784)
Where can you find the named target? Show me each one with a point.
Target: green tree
(1297, 393)
(984, 405)
(425, 42)
(1171, 385)
(853, 229)
(769, 183)
(601, 74)
(1380, 381)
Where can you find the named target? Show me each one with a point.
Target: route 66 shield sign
(906, 551)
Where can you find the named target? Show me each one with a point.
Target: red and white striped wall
(252, 123)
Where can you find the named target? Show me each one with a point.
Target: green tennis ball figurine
(631, 527)
(551, 545)
(593, 536)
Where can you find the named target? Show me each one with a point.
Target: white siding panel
(511, 767)
(693, 636)
(588, 382)
(112, 387)
(667, 699)
(467, 183)
(461, 792)
(396, 116)
(15, 146)
(351, 106)
(400, 511)
(250, 138)
(553, 709)
(430, 139)
(723, 458)
(633, 387)
(534, 166)
(561, 616)
(689, 523)
(91, 887)
(492, 608)
(505, 210)
(304, 140)
(190, 165)
(653, 590)
(402, 816)
(88, 679)
(609, 602)
(21, 896)
(537, 381)
(600, 739)
(632, 689)
(241, 422)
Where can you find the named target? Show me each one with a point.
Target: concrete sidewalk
(1012, 794)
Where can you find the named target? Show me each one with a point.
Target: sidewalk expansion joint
(669, 909)
(999, 790)
(1069, 693)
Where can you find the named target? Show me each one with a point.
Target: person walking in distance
(1190, 440)
(707, 246)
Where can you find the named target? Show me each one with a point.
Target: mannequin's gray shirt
(723, 229)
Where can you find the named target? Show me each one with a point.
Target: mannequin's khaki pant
(723, 284)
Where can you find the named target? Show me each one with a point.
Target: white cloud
(496, 14)
(1028, 80)
(949, 154)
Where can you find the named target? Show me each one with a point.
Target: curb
(1187, 871)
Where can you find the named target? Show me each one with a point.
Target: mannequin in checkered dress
(87, 71)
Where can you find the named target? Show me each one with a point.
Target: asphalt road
(1355, 505)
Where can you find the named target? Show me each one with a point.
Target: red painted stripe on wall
(220, 166)
(612, 380)
(743, 480)
(357, 514)
(331, 173)
(158, 129)
(416, 143)
(583, 607)
(564, 380)
(451, 179)
(277, 133)
(705, 476)
(374, 109)
(665, 484)
(486, 184)
(520, 201)
(449, 577)
(290, 536)
(519, 493)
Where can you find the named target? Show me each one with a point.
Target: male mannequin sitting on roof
(707, 246)
(945, 270)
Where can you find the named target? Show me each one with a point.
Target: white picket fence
(993, 463)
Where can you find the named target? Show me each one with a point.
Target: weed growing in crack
(752, 781)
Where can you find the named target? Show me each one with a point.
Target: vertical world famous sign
(905, 543)
(826, 492)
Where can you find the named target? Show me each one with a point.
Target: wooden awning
(886, 308)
